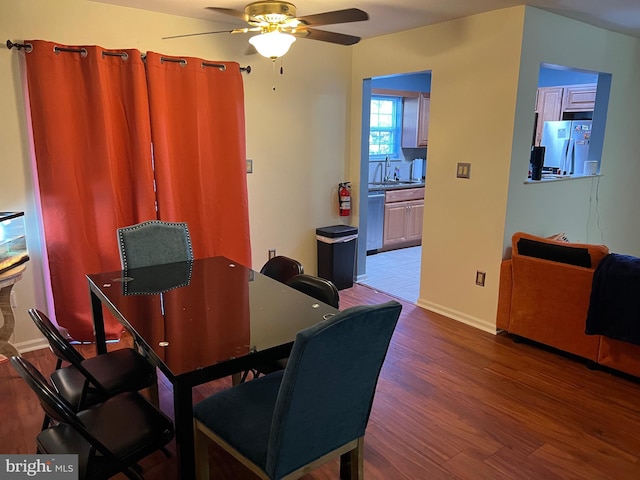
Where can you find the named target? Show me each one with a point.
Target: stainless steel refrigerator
(566, 145)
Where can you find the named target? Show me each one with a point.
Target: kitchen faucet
(375, 172)
(387, 166)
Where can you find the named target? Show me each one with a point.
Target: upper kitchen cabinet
(579, 98)
(548, 107)
(415, 121)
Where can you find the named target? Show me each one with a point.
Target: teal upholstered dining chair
(154, 243)
(286, 423)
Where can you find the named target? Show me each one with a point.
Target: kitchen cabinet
(548, 107)
(552, 103)
(415, 121)
(403, 218)
(579, 98)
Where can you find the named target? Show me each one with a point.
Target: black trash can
(337, 254)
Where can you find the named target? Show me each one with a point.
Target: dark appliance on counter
(537, 162)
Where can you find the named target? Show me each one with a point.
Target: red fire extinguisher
(344, 198)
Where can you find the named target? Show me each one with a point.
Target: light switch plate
(249, 165)
(464, 170)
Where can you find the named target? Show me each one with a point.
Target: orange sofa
(544, 295)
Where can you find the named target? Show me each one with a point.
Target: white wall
(597, 210)
(297, 136)
(474, 64)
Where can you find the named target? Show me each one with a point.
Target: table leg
(9, 322)
(183, 412)
(98, 324)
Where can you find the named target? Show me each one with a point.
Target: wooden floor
(452, 402)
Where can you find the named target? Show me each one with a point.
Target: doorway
(387, 156)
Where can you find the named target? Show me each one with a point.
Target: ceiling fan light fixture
(272, 44)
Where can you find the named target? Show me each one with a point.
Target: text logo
(51, 467)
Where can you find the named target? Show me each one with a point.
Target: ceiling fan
(278, 26)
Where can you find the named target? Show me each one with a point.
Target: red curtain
(91, 131)
(94, 113)
(198, 130)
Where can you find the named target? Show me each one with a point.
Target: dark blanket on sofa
(614, 306)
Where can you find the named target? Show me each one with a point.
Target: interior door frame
(361, 254)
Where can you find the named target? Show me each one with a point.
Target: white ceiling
(387, 16)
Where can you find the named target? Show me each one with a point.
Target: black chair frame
(69, 421)
(281, 268)
(92, 390)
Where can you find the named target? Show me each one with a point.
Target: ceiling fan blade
(194, 34)
(229, 11)
(338, 16)
(331, 37)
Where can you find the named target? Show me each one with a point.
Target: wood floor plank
(453, 403)
(571, 462)
(513, 464)
(464, 462)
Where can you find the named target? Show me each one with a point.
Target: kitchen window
(385, 128)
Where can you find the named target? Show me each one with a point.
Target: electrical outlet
(480, 276)
(464, 170)
(249, 165)
(12, 299)
(272, 253)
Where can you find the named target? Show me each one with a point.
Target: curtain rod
(124, 55)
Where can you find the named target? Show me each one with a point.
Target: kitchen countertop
(396, 185)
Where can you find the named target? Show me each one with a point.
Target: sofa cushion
(556, 253)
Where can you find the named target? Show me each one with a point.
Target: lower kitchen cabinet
(403, 218)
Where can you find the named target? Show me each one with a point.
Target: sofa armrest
(549, 303)
(504, 295)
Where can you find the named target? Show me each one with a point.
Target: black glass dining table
(199, 321)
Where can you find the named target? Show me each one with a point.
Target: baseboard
(459, 316)
(31, 345)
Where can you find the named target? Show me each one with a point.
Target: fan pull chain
(273, 72)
